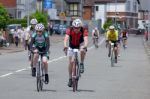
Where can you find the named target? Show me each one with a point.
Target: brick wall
(8, 3)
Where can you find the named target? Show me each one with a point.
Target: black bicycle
(76, 70)
(40, 73)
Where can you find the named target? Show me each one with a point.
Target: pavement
(12, 48)
(147, 47)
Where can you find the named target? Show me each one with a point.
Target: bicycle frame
(112, 59)
(75, 71)
(40, 73)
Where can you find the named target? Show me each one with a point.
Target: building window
(19, 1)
(19, 14)
(128, 6)
(97, 8)
(135, 6)
(73, 9)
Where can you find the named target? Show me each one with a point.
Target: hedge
(23, 22)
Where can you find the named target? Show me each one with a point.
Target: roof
(8, 3)
(108, 1)
(73, 1)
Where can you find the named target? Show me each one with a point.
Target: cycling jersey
(112, 35)
(40, 42)
(76, 38)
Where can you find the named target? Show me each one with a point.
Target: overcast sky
(145, 4)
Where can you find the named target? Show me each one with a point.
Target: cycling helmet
(111, 27)
(77, 23)
(39, 27)
(33, 21)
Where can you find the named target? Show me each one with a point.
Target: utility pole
(62, 11)
(81, 9)
(115, 12)
(28, 13)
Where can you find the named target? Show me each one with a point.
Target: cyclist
(78, 38)
(112, 36)
(40, 40)
(29, 31)
(124, 36)
(95, 34)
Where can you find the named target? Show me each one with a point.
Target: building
(123, 12)
(19, 8)
(10, 6)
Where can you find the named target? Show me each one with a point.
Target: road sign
(62, 14)
(47, 4)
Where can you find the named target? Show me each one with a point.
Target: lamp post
(115, 12)
(28, 13)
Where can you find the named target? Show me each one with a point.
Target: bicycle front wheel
(75, 84)
(112, 58)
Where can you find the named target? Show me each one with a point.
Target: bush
(4, 17)
(23, 22)
(41, 17)
(107, 24)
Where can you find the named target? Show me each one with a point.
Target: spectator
(16, 37)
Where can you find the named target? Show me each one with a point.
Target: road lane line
(50, 61)
(20, 70)
(6, 75)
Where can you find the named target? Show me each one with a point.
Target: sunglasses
(39, 31)
(76, 27)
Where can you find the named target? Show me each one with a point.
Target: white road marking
(53, 60)
(20, 70)
(5, 75)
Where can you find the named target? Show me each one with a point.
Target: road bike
(124, 42)
(40, 73)
(112, 54)
(95, 41)
(76, 70)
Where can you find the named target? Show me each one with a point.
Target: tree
(4, 17)
(107, 24)
(41, 17)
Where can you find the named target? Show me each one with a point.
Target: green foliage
(23, 22)
(4, 17)
(41, 17)
(107, 24)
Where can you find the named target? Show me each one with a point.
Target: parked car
(56, 28)
(12, 27)
(10, 30)
(62, 29)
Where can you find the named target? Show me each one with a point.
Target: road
(129, 79)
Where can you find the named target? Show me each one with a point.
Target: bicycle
(124, 42)
(76, 70)
(112, 55)
(95, 41)
(40, 73)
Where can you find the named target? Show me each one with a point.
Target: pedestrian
(16, 37)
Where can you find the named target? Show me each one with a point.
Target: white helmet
(33, 21)
(77, 23)
(39, 27)
(111, 27)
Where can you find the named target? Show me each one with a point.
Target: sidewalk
(12, 48)
(147, 47)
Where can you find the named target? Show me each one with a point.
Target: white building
(25, 7)
(124, 12)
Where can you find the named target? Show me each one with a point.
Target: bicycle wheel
(38, 77)
(74, 84)
(112, 58)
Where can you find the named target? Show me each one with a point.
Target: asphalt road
(129, 79)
